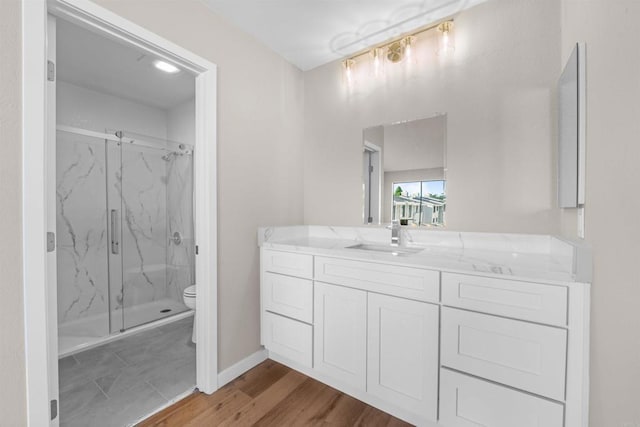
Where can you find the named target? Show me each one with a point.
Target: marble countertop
(515, 256)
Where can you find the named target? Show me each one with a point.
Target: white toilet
(189, 297)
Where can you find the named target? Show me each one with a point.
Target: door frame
(373, 206)
(40, 318)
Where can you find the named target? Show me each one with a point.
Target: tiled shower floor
(118, 383)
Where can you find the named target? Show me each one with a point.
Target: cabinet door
(289, 263)
(510, 298)
(519, 354)
(340, 334)
(405, 282)
(403, 353)
(471, 402)
(288, 338)
(288, 296)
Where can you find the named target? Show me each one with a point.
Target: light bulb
(377, 62)
(409, 53)
(348, 65)
(446, 44)
(445, 41)
(165, 66)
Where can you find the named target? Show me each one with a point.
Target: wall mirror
(572, 130)
(403, 172)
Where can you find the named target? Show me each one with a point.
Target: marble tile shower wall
(143, 190)
(180, 256)
(155, 196)
(81, 228)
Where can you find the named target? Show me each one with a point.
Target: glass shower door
(125, 232)
(81, 228)
(146, 199)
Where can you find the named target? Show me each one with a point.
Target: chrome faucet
(395, 232)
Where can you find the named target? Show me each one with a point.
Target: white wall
(87, 109)
(181, 123)
(260, 105)
(418, 144)
(498, 93)
(12, 367)
(611, 33)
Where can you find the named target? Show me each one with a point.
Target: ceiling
(310, 33)
(95, 62)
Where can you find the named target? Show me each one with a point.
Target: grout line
(156, 390)
(101, 390)
(120, 358)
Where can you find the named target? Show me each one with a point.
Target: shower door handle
(115, 242)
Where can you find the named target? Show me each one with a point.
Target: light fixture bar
(449, 23)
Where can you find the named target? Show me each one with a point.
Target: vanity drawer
(511, 298)
(289, 296)
(290, 263)
(519, 354)
(413, 283)
(471, 402)
(288, 338)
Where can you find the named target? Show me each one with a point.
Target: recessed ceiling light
(165, 66)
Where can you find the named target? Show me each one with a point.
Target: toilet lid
(191, 290)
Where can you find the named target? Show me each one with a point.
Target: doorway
(39, 135)
(371, 178)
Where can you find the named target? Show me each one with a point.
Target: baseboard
(234, 371)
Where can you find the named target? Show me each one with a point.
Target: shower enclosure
(125, 232)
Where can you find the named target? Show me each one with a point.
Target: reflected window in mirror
(410, 154)
(419, 203)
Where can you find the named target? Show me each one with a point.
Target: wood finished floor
(272, 395)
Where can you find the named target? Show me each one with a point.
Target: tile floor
(118, 383)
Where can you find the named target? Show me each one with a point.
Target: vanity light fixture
(408, 47)
(377, 55)
(397, 50)
(400, 49)
(165, 66)
(348, 65)
(446, 44)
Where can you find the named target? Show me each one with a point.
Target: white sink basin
(393, 250)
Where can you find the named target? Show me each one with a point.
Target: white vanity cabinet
(340, 334)
(287, 305)
(512, 353)
(402, 362)
(434, 348)
(374, 336)
(384, 345)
